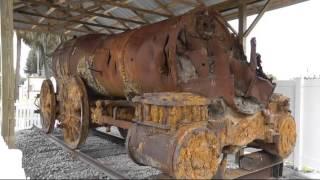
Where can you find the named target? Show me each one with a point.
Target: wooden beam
(164, 7)
(256, 20)
(120, 21)
(49, 28)
(169, 5)
(201, 2)
(112, 3)
(50, 10)
(48, 4)
(77, 17)
(7, 72)
(242, 23)
(106, 11)
(64, 19)
(42, 31)
(141, 16)
(187, 2)
(17, 70)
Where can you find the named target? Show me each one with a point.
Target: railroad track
(87, 158)
(254, 165)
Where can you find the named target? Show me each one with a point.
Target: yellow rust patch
(197, 157)
(243, 130)
(171, 109)
(287, 136)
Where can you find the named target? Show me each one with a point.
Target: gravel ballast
(44, 159)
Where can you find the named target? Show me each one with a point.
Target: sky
(288, 40)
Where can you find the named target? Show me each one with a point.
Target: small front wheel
(47, 106)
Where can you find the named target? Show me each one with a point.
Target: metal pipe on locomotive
(182, 87)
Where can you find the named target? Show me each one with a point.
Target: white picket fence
(25, 116)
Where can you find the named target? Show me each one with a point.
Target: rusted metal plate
(257, 165)
(190, 53)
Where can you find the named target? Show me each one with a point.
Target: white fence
(25, 116)
(305, 106)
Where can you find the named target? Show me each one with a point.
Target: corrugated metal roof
(72, 11)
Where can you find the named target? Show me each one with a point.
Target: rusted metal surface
(193, 53)
(184, 89)
(258, 165)
(187, 147)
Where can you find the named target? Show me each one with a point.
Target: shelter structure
(80, 17)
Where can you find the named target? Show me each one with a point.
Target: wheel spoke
(76, 112)
(47, 106)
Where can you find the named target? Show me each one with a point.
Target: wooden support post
(242, 38)
(242, 23)
(7, 72)
(17, 71)
(257, 19)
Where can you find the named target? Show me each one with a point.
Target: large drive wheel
(47, 106)
(75, 113)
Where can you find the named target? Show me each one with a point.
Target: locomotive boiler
(181, 91)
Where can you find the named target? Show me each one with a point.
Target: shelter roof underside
(79, 17)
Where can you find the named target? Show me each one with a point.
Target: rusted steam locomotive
(182, 87)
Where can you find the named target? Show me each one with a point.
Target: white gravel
(44, 159)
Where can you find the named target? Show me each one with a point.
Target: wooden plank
(242, 23)
(256, 20)
(65, 19)
(164, 7)
(137, 9)
(79, 10)
(18, 62)
(77, 17)
(49, 28)
(44, 31)
(7, 78)
(106, 11)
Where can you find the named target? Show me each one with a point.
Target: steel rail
(85, 158)
(112, 138)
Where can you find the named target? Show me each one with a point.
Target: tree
(31, 64)
(43, 43)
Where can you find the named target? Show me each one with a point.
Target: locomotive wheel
(76, 113)
(287, 138)
(196, 155)
(123, 132)
(47, 106)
